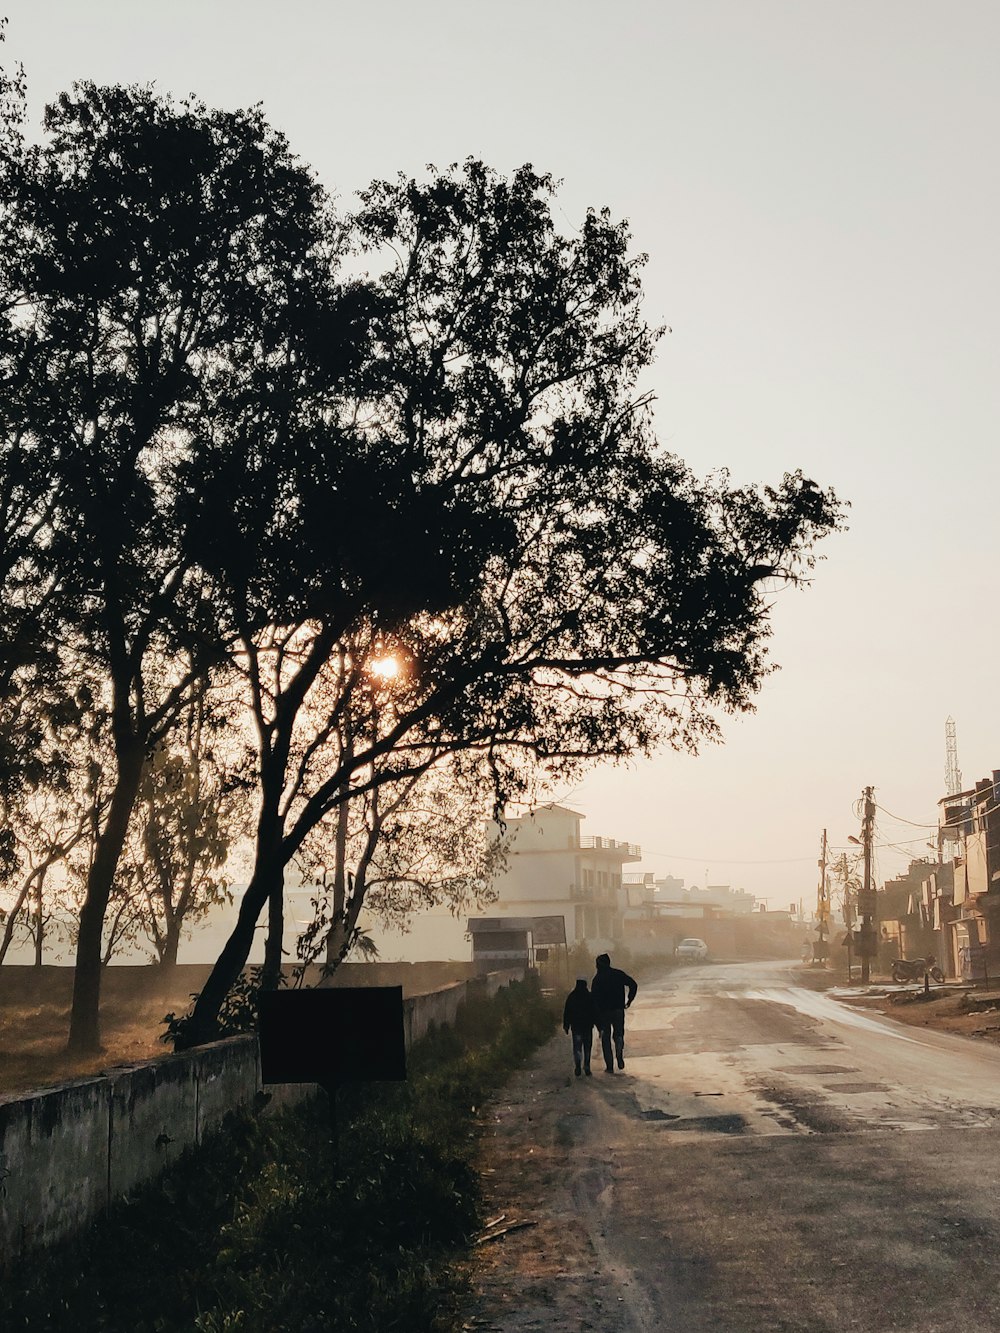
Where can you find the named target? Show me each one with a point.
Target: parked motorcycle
(914, 969)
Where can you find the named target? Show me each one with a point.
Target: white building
(553, 870)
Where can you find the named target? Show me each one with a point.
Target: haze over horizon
(813, 189)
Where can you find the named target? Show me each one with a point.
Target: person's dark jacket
(579, 1013)
(609, 986)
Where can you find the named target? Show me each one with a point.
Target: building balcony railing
(603, 895)
(629, 849)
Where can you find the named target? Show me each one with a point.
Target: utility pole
(848, 915)
(822, 908)
(866, 899)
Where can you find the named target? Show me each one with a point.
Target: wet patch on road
(785, 1121)
(568, 1128)
(807, 1111)
(732, 1023)
(857, 1087)
(816, 1069)
(713, 1124)
(655, 1115)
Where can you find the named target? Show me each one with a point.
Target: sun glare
(385, 668)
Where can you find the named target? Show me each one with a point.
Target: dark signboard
(331, 1036)
(867, 902)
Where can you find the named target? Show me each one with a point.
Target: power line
(901, 847)
(900, 820)
(723, 861)
(768, 861)
(905, 842)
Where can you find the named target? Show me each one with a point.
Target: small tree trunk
(11, 923)
(39, 921)
(84, 1027)
(266, 886)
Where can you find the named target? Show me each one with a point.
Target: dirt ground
(35, 1009)
(34, 1021)
(969, 1013)
(546, 1273)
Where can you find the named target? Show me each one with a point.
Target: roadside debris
(501, 1231)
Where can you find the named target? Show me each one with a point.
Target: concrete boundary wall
(68, 1152)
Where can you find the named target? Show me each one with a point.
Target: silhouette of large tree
(25, 499)
(156, 248)
(483, 501)
(221, 457)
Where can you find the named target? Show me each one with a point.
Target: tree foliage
(559, 586)
(190, 814)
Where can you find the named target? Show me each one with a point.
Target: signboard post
(332, 1036)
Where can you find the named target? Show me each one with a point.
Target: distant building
(905, 925)
(670, 892)
(937, 897)
(659, 912)
(969, 826)
(553, 869)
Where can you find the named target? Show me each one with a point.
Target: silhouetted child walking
(580, 1018)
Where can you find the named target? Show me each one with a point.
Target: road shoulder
(547, 1275)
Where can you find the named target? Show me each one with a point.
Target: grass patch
(260, 1230)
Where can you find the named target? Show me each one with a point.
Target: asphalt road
(769, 1160)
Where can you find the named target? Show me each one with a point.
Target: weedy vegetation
(263, 1229)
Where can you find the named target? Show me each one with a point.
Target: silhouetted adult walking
(613, 992)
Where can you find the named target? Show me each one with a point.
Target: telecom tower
(952, 772)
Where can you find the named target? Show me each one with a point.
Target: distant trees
(224, 464)
(189, 816)
(47, 831)
(394, 849)
(54, 812)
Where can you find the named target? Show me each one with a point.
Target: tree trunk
(171, 942)
(84, 1026)
(271, 971)
(267, 882)
(339, 883)
(39, 920)
(202, 1026)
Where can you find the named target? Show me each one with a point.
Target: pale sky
(817, 187)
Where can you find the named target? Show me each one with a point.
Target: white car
(692, 951)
